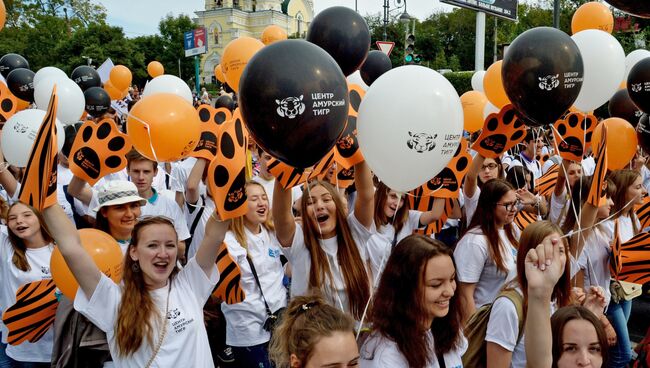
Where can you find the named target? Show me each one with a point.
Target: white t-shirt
(179, 174)
(471, 203)
(244, 320)
(300, 260)
(625, 228)
(594, 261)
(162, 206)
(475, 266)
(12, 279)
(186, 341)
(380, 243)
(503, 330)
(380, 351)
(588, 166)
(205, 207)
(557, 213)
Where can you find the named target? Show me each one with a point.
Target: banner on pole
(195, 42)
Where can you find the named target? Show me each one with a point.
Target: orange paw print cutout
(98, 150)
(8, 104)
(33, 313)
(211, 121)
(227, 172)
(573, 135)
(447, 183)
(501, 131)
(347, 152)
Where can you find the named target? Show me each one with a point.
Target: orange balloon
(3, 14)
(493, 86)
(218, 72)
(273, 33)
(621, 142)
(104, 251)
(112, 91)
(21, 104)
(164, 127)
(155, 69)
(473, 105)
(592, 15)
(235, 58)
(121, 77)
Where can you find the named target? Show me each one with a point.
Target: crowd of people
(332, 277)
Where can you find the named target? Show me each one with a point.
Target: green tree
(172, 30)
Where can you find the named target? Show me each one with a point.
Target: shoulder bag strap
(257, 281)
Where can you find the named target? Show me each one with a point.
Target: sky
(141, 17)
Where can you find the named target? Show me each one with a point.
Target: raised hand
(544, 266)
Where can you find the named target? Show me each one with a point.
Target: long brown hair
(357, 284)
(575, 312)
(484, 219)
(306, 320)
(398, 306)
(237, 225)
(19, 258)
(401, 214)
(531, 237)
(136, 308)
(623, 179)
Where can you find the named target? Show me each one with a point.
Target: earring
(135, 267)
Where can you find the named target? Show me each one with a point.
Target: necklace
(163, 331)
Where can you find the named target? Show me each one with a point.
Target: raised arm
(472, 176)
(436, 212)
(561, 178)
(67, 239)
(215, 232)
(285, 225)
(194, 180)
(364, 206)
(7, 180)
(588, 215)
(79, 189)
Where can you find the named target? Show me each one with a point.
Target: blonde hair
(237, 225)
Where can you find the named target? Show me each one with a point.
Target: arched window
(299, 20)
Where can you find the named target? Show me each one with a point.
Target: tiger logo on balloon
(421, 142)
(290, 107)
(549, 82)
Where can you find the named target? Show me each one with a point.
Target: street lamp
(387, 11)
(405, 18)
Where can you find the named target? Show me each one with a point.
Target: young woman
(480, 171)
(249, 243)
(485, 255)
(505, 343)
(155, 317)
(629, 192)
(416, 315)
(560, 203)
(25, 251)
(574, 337)
(327, 252)
(314, 334)
(395, 221)
(522, 180)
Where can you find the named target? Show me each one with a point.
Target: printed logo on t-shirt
(173, 314)
(45, 270)
(178, 323)
(275, 253)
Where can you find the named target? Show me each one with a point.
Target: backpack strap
(518, 300)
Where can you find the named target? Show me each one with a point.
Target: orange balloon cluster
(117, 86)
(592, 15)
(621, 142)
(493, 86)
(104, 251)
(235, 58)
(272, 34)
(155, 68)
(164, 127)
(473, 105)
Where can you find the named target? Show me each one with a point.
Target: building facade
(226, 20)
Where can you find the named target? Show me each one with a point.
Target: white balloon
(604, 66)
(355, 78)
(47, 72)
(167, 83)
(408, 145)
(477, 81)
(19, 132)
(71, 98)
(633, 58)
(489, 109)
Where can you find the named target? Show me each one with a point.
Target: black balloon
(344, 34)
(542, 74)
(294, 100)
(97, 101)
(643, 133)
(10, 62)
(227, 88)
(621, 106)
(638, 85)
(86, 77)
(640, 8)
(225, 101)
(21, 83)
(376, 64)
